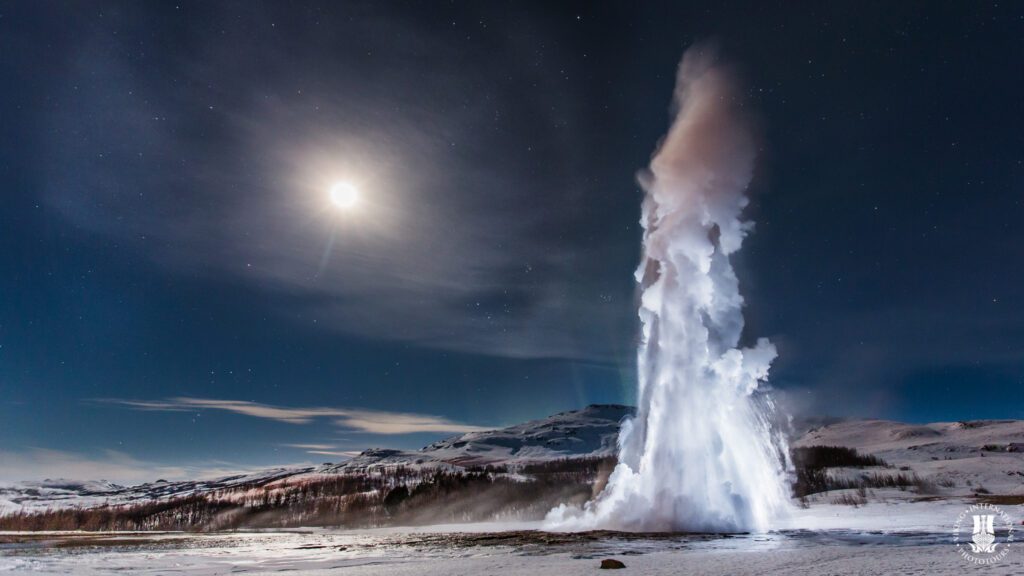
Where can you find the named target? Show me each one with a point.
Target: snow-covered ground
(961, 458)
(902, 538)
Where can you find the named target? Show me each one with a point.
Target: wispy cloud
(111, 465)
(342, 454)
(371, 421)
(324, 450)
(311, 446)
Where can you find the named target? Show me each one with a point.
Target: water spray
(700, 454)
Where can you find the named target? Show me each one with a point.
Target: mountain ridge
(966, 458)
(590, 431)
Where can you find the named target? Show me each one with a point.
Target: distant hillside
(520, 472)
(589, 432)
(969, 458)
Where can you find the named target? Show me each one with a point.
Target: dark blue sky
(165, 241)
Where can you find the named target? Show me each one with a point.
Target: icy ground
(895, 538)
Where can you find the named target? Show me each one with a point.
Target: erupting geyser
(700, 454)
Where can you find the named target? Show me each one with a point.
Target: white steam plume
(700, 454)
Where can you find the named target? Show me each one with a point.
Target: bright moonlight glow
(344, 195)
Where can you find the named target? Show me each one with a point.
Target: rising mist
(700, 454)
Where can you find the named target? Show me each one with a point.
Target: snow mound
(965, 458)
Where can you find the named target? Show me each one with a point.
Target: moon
(344, 195)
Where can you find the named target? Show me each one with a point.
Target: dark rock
(611, 563)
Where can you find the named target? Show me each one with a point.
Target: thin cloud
(371, 421)
(342, 454)
(322, 449)
(310, 446)
(36, 464)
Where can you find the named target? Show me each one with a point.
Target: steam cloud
(700, 454)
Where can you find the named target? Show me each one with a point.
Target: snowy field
(896, 538)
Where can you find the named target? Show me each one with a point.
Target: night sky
(178, 296)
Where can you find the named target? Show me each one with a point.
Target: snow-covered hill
(61, 493)
(591, 431)
(962, 458)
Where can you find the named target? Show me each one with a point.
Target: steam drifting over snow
(700, 454)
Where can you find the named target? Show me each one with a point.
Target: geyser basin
(700, 454)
